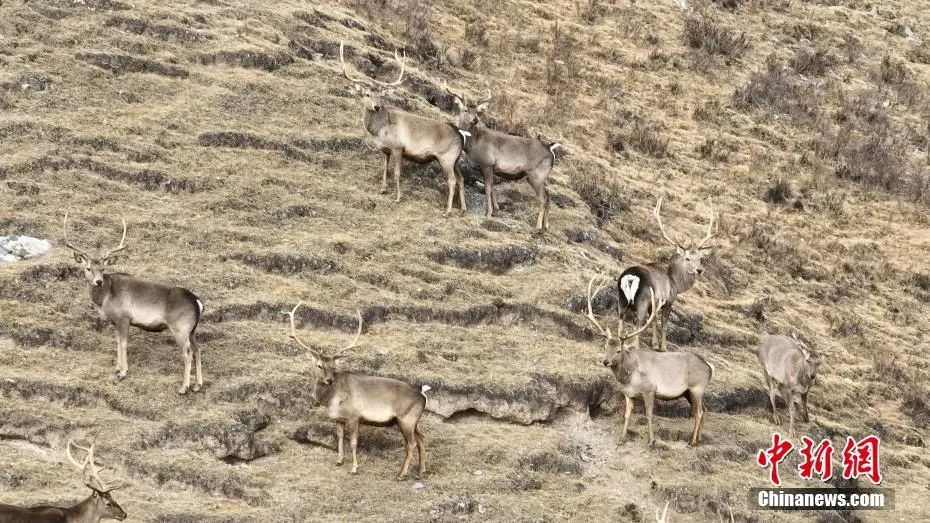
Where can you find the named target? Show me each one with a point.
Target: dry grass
(226, 135)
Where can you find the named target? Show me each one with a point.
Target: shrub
(812, 62)
(602, 195)
(640, 138)
(779, 192)
(707, 35)
(771, 90)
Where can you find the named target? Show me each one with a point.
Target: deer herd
(645, 296)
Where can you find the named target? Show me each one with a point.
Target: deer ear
(482, 108)
(78, 257)
(110, 261)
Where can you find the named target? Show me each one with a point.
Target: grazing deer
(126, 301)
(401, 135)
(788, 363)
(666, 280)
(99, 505)
(510, 157)
(662, 375)
(351, 398)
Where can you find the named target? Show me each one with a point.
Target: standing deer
(99, 505)
(510, 157)
(787, 363)
(351, 398)
(662, 375)
(401, 135)
(666, 280)
(126, 301)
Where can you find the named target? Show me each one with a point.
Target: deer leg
(771, 385)
(384, 172)
(410, 443)
(450, 182)
(122, 342)
(542, 195)
(626, 417)
(697, 410)
(421, 452)
(352, 425)
(488, 173)
(790, 397)
(197, 368)
(461, 183)
(701, 426)
(649, 399)
(655, 334)
(806, 416)
(340, 436)
(398, 156)
(665, 314)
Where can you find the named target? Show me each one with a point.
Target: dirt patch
(496, 260)
(165, 33)
(225, 439)
(330, 144)
(148, 179)
(248, 59)
(314, 49)
(122, 64)
(286, 264)
(314, 18)
(593, 238)
(239, 140)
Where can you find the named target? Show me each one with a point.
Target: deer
(126, 301)
(652, 375)
(665, 280)
(789, 365)
(351, 399)
(401, 135)
(99, 505)
(510, 157)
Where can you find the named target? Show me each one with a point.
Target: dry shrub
(416, 15)
(894, 74)
(561, 75)
(706, 34)
(640, 138)
(591, 11)
(602, 195)
(771, 90)
(811, 62)
(780, 192)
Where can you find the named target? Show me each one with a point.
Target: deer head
(324, 365)
(469, 114)
(688, 258)
(615, 345)
(104, 504)
(372, 98)
(95, 264)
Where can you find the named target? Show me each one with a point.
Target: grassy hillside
(225, 134)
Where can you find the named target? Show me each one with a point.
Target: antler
(485, 99)
(656, 214)
(590, 315)
(68, 244)
(91, 470)
(710, 231)
(314, 352)
(355, 342)
(664, 512)
(460, 97)
(655, 310)
(122, 243)
(400, 77)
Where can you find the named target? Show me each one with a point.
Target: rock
(14, 248)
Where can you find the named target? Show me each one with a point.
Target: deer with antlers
(510, 157)
(653, 375)
(126, 301)
(789, 365)
(401, 135)
(352, 399)
(99, 505)
(666, 280)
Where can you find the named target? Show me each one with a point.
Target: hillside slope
(226, 135)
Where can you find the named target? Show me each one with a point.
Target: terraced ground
(225, 133)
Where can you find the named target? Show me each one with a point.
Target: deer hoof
(401, 478)
(196, 388)
(121, 375)
(384, 190)
(353, 472)
(183, 390)
(338, 462)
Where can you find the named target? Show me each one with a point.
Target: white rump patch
(424, 389)
(200, 304)
(629, 284)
